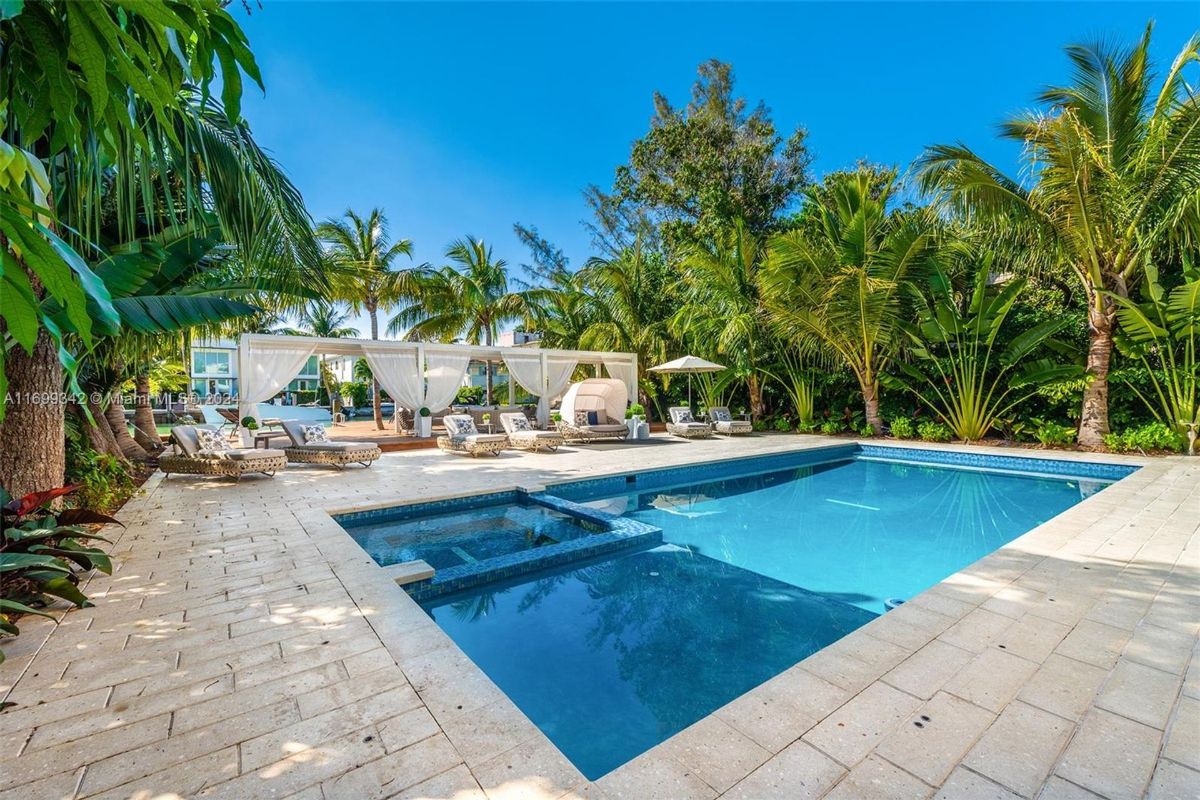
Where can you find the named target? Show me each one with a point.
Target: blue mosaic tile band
(615, 533)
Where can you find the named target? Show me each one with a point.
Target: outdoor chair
(310, 445)
(522, 436)
(189, 458)
(463, 437)
(682, 424)
(724, 423)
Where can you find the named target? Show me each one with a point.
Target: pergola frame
(354, 347)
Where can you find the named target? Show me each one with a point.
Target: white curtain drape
(558, 378)
(265, 369)
(623, 371)
(397, 372)
(527, 372)
(444, 375)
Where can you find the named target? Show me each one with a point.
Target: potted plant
(424, 422)
(250, 423)
(486, 419)
(635, 415)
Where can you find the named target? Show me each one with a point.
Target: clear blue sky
(465, 118)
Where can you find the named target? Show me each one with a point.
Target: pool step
(409, 572)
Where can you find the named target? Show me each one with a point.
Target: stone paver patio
(246, 647)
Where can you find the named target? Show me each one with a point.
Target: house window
(211, 362)
(312, 367)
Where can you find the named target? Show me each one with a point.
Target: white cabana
(420, 374)
(596, 394)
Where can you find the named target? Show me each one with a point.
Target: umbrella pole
(689, 391)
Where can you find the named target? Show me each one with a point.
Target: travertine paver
(246, 647)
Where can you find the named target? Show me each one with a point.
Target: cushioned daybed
(522, 436)
(594, 409)
(682, 424)
(463, 437)
(310, 445)
(189, 457)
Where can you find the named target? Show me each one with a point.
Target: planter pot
(633, 424)
(424, 427)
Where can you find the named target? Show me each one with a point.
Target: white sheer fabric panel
(265, 369)
(527, 372)
(558, 378)
(444, 375)
(625, 372)
(399, 373)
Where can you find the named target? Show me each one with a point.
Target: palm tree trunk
(99, 434)
(376, 401)
(32, 443)
(115, 414)
(145, 432)
(1093, 422)
(870, 393)
(754, 386)
(488, 366)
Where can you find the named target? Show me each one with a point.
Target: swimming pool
(753, 565)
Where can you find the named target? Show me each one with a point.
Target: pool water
(611, 658)
(466, 537)
(857, 530)
(756, 571)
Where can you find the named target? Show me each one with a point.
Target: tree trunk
(1093, 421)
(870, 393)
(754, 387)
(115, 414)
(376, 400)
(487, 366)
(32, 443)
(99, 434)
(145, 431)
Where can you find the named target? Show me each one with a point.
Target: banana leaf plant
(957, 368)
(44, 553)
(1163, 332)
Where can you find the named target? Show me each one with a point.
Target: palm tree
(361, 247)
(1114, 183)
(630, 298)
(841, 282)
(468, 299)
(723, 311)
(326, 320)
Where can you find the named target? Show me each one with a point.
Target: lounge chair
(683, 425)
(522, 436)
(463, 437)
(724, 423)
(304, 450)
(187, 458)
(594, 409)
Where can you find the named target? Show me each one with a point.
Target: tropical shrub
(930, 431)
(635, 410)
(903, 428)
(832, 426)
(469, 396)
(355, 393)
(1053, 434)
(102, 481)
(1163, 333)
(783, 424)
(807, 427)
(956, 369)
(867, 431)
(43, 553)
(1154, 436)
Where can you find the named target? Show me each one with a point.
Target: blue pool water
(611, 658)
(857, 530)
(465, 537)
(758, 567)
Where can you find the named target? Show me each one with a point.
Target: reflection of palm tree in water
(475, 607)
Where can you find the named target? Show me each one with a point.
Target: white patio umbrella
(689, 365)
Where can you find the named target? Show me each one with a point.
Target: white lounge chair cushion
(608, 427)
(692, 426)
(333, 447)
(253, 455)
(532, 434)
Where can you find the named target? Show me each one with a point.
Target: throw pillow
(519, 423)
(212, 444)
(720, 414)
(684, 416)
(314, 434)
(593, 417)
(581, 418)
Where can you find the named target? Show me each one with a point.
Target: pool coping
(451, 685)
